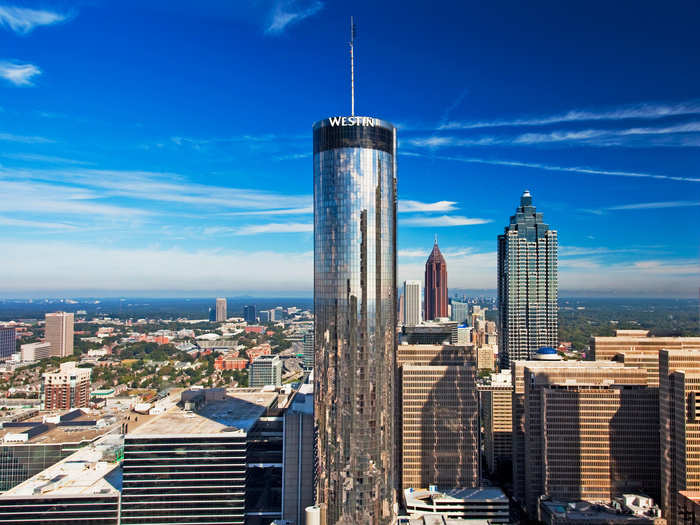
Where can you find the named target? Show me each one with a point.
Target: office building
(308, 351)
(477, 314)
(638, 348)
(582, 431)
(459, 312)
(212, 314)
(35, 351)
(68, 388)
(221, 313)
(435, 285)
(497, 419)
(679, 421)
(250, 316)
(81, 488)
(627, 509)
(265, 316)
(266, 370)
(479, 505)
(59, 332)
(439, 417)
(201, 450)
(430, 333)
(8, 341)
(527, 285)
(411, 298)
(298, 456)
(355, 308)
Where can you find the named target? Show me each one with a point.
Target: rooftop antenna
(352, 67)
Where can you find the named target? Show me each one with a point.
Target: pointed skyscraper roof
(436, 255)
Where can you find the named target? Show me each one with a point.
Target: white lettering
(352, 121)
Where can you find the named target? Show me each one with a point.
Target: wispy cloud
(549, 167)
(413, 252)
(287, 12)
(443, 220)
(19, 74)
(44, 225)
(286, 211)
(24, 139)
(409, 206)
(643, 206)
(275, 227)
(36, 157)
(641, 111)
(22, 20)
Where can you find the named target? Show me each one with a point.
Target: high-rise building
(308, 359)
(68, 388)
(679, 421)
(435, 285)
(59, 332)
(411, 307)
(439, 416)
(527, 285)
(298, 483)
(355, 308)
(249, 314)
(460, 311)
(266, 370)
(8, 341)
(221, 314)
(497, 413)
(582, 431)
(265, 316)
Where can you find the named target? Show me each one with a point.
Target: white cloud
(9, 221)
(655, 205)
(19, 74)
(22, 20)
(287, 12)
(275, 227)
(285, 211)
(443, 220)
(641, 111)
(417, 206)
(102, 268)
(24, 139)
(413, 252)
(549, 167)
(36, 157)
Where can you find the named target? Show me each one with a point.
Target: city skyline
(127, 168)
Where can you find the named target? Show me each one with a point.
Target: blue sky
(167, 148)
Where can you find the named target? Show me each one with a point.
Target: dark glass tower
(435, 285)
(527, 285)
(355, 310)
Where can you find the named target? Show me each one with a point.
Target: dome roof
(547, 353)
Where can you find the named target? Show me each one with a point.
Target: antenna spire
(352, 66)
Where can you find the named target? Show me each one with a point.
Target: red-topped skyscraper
(435, 285)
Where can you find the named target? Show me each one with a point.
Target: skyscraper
(8, 341)
(435, 285)
(411, 307)
(249, 314)
(355, 309)
(221, 315)
(266, 370)
(59, 332)
(527, 285)
(460, 311)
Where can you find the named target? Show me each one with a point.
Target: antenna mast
(352, 67)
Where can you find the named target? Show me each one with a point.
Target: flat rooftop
(465, 495)
(92, 470)
(238, 411)
(65, 434)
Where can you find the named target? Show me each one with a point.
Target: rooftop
(92, 470)
(421, 497)
(238, 411)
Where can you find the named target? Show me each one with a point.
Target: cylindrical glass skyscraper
(355, 311)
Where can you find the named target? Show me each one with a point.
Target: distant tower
(527, 285)
(411, 307)
(435, 285)
(59, 332)
(221, 309)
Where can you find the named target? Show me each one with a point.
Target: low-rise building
(266, 370)
(481, 503)
(35, 351)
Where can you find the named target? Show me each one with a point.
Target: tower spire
(436, 238)
(352, 66)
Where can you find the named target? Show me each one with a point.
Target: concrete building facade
(59, 332)
(221, 310)
(411, 305)
(68, 388)
(266, 370)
